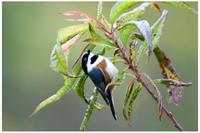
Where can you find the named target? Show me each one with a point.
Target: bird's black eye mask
(94, 58)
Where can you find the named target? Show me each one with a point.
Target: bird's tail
(109, 96)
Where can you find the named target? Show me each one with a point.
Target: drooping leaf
(169, 72)
(79, 87)
(134, 14)
(120, 7)
(127, 97)
(67, 33)
(181, 4)
(132, 100)
(156, 34)
(145, 29)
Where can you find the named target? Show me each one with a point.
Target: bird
(103, 73)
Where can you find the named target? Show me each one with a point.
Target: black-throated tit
(102, 72)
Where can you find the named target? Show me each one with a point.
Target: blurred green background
(29, 34)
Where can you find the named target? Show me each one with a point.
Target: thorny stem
(134, 68)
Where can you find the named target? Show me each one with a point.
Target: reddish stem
(133, 67)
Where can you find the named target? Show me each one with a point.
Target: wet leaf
(127, 97)
(67, 33)
(132, 100)
(181, 5)
(120, 7)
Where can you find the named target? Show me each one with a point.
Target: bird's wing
(97, 77)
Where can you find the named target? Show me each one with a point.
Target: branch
(160, 102)
(134, 68)
(90, 108)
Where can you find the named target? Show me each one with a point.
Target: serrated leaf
(145, 29)
(127, 97)
(132, 100)
(156, 34)
(182, 5)
(120, 7)
(134, 14)
(67, 33)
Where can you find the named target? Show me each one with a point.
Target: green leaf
(120, 7)
(67, 33)
(46, 102)
(120, 77)
(125, 34)
(59, 55)
(156, 34)
(181, 5)
(157, 28)
(127, 97)
(57, 60)
(134, 14)
(99, 10)
(145, 29)
(132, 100)
(98, 40)
(79, 87)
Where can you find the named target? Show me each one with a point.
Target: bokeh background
(29, 34)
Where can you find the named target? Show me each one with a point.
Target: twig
(133, 67)
(160, 102)
(90, 108)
